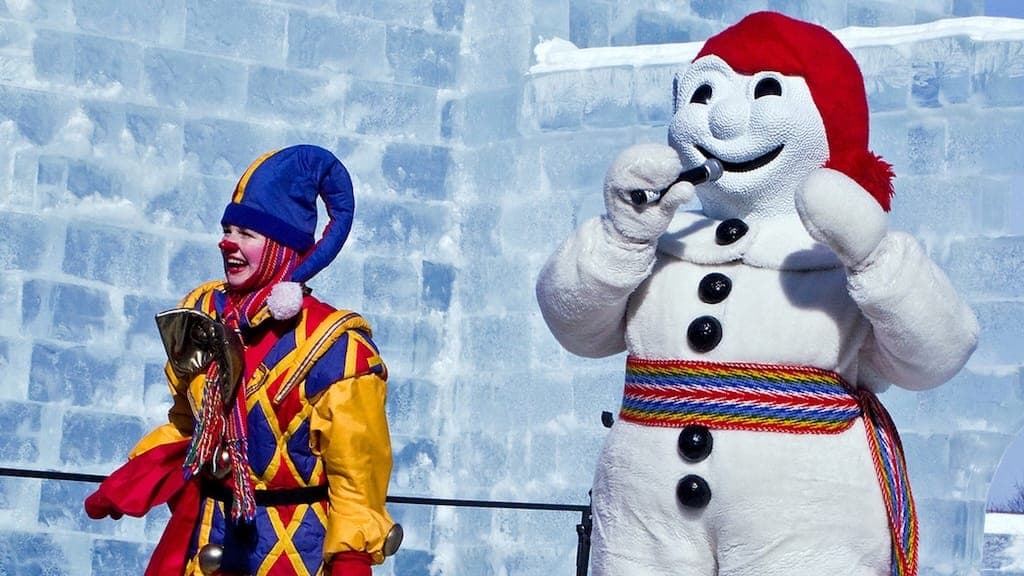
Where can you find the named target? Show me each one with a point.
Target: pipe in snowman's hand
(707, 172)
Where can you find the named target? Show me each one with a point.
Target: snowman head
(773, 98)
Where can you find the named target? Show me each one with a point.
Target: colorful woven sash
(776, 398)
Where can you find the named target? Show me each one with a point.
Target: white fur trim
(285, 300)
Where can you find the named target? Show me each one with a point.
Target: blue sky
(1009, 473)
(1012, 8)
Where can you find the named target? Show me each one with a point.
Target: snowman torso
(772, 295)
(778, 298)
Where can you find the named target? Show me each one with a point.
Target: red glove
(97, 506)
(148, 480)
(351, 564)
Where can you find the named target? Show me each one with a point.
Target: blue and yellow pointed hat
(277, 194)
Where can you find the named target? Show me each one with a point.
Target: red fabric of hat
(769, 41)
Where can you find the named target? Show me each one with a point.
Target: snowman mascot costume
(759, 328)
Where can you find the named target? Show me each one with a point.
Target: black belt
(210, 488)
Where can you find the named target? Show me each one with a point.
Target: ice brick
(193, 203)
(414, 463)
(413, 563)
(39, 116)
(486, 335)
(588, 23)
(192, 263)
(390, 225)
(416, 170)
(390, 285)
(412, 406)
(421, 57)
(448, 14)
(146, 20)
(27, 552)
(437, 285)
(19, 432)
(68, 375)
(312, 44)
(67, 312)
(298, 97)
(186, 79)
(26, 242)
(257, 30)
(887, 77)
(487, 116)
(89, 438)
(119, 558)
(225, 148)
(126, 258)
(987, 267)
(998, 75)
(375, 108)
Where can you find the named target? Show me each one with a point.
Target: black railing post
(583, 530)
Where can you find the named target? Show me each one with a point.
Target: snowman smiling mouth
(747, 165)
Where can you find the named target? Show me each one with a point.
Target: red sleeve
(140, 484)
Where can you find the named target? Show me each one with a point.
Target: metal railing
(582, 529)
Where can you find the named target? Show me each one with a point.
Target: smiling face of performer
(763, 127)
(242, 251)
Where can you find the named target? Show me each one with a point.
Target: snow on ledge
(1003, 523)
(558, 55)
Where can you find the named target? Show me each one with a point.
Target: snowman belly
(780, 503)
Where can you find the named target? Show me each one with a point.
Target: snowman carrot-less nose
(709, 171)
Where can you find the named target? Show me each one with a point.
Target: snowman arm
(584, 288)
(922, 331)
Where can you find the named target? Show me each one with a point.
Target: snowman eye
(701, 95)
(767, 87)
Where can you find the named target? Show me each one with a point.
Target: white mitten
(841, 214)
(644, 167)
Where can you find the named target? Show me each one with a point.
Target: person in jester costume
(758, 328)
(276, 457)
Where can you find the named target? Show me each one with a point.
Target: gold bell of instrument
(210, 558)
(393, 540)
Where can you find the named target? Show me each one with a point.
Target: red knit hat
(769, 41)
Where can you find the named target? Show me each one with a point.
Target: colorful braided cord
(734, 396)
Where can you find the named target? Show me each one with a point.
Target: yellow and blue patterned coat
(315, 394)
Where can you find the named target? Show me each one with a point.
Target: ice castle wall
(124, 124)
